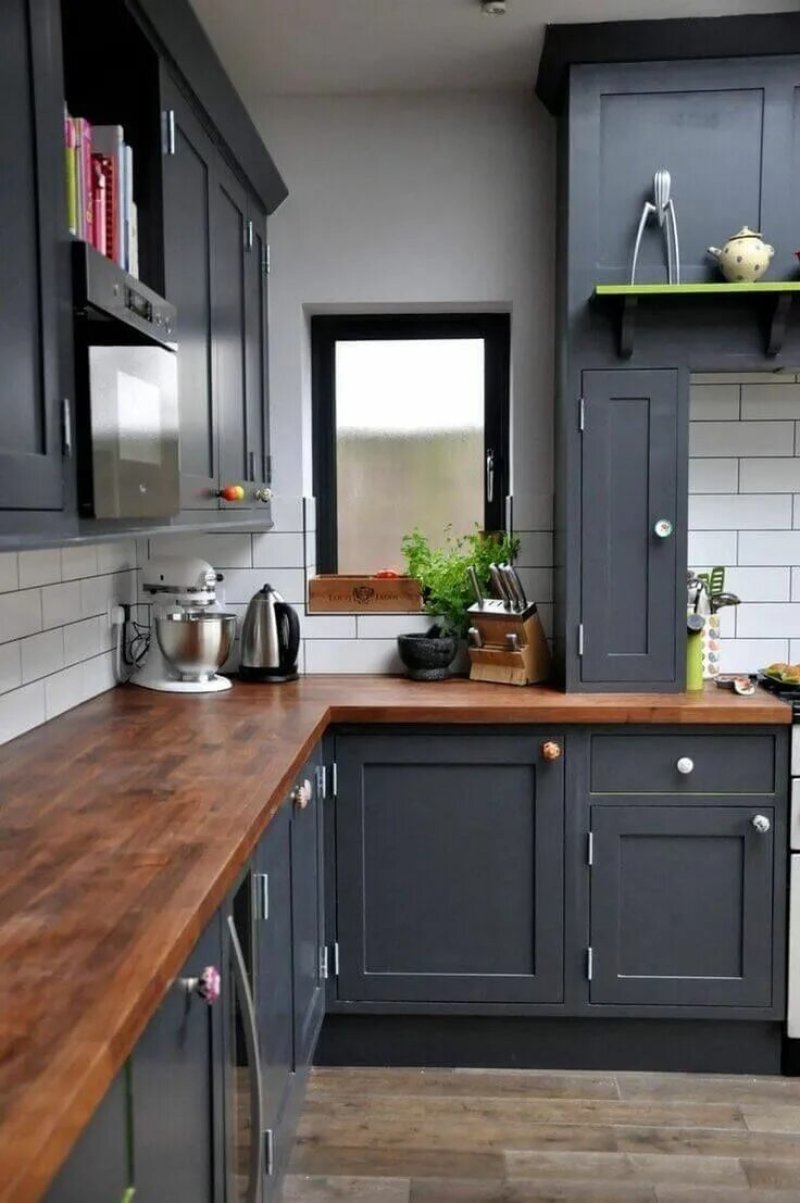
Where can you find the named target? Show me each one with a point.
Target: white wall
(744, 509)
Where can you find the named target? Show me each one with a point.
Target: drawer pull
(761, 824)
(685, 765)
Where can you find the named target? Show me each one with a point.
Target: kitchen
(214, 897)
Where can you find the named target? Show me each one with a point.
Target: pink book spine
(99, 201)
(86, 176)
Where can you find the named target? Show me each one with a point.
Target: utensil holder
(526, 664)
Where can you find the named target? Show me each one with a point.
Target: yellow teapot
(744, 257)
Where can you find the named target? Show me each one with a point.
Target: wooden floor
(483, 1136)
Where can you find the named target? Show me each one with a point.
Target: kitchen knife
(476, 585)
(515, 586)
(500, 586)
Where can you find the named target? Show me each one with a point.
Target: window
(410, 429)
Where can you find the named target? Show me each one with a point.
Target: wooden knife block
(526, 665)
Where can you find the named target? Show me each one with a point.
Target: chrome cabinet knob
(207, 986)
(302, 794)
(685, 765)
(264, 495)
(663, 528)
(550, 750)
(761, 824)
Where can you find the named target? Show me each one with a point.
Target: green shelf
(777, 295)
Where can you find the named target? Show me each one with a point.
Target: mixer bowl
(195, 643)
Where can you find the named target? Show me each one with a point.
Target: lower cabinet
(98, 1169)
(308, 914)
(682, 902)
(450, 867)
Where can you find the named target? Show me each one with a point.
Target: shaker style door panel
(682, 905)
(177, 1090)
(188, 174)
(33, 266)
(629, 483)
(308, 933)
(256, 375)
(97, 1168)
(449, 869)
(273, 960)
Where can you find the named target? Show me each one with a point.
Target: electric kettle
(270, 639)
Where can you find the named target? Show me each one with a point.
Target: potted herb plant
(447, 593)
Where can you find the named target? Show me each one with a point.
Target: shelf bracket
(777, 322)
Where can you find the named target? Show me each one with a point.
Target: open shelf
(777, 297)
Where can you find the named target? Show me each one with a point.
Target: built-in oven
(126, 370)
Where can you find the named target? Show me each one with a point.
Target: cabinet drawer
(648, 764)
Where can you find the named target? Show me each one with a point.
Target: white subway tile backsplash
(277, 550)
(714, 402)
(20, 614)
(61, 603)
(796, 584)
(328, 626)
(769, 547)
(759, 584)
(41, 654)
(352, 656)
(222, 550)
(78, 561)
(726, 439)
(20, 710)
(39, 567)
(741, 512)
(774, 400)
(82, 640)
(10, 668)
(708, 547)
(116, 557)
(9, 571)
(310, 514)
(287, 512)
(63, 690)
(389, 626)
(769, 475)
(98, 675)
(240, 584)
(714, 475)
(761, 620)
(749, 655)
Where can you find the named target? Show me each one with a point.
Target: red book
(111, 198)
(86, 219)
(99, 201)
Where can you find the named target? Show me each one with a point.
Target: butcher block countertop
(124, 823)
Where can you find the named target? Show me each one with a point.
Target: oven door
(133, 436)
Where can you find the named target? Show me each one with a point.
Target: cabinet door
(229, 235)
(34, 284)
(177, 1090)
(273, 988)
(97, 1170)
(682, 905)
(256, 375)
(307, 919)
(188, 174)
(629, 482)
(449, 868)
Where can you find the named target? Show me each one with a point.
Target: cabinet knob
(685, 765)
(761, 824)
(662, 528)
(207, 986)
(231, 493)
(264, 495)
(550, 750)
(302, 794)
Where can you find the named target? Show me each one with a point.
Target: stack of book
(100, 204)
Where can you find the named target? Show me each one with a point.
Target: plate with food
(786, 676)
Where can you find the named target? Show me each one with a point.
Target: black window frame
(329, 329)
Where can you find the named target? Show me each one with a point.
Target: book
(109, 141)
(71, 172)
(84, 164)
(133, 248)
(127, 203)
(109, 168)
(99, 204)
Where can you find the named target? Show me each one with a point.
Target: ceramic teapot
(744, 257)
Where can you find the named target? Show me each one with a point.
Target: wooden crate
(334, 593)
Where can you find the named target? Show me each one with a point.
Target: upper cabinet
(33, 259)
(203, 184)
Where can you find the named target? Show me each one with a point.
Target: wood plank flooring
(519, 1136)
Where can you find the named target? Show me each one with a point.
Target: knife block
(495, 661)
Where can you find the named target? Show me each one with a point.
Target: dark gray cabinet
(229, 233)
(449, 868)
(177, 1076)
(188, 174)
(98, 1168)
(259, 463)
(308, 915)
(630, 561)
(682, 905)
(33, 265)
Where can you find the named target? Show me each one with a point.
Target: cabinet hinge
(168, 131)
(590, 849)
(269, 1153)
(589, 962)
(336, 958)
(323, 963)
(580, 638)
(248, 236)
(66, 428)
(581, 414)
(261, 890)
(322, 781)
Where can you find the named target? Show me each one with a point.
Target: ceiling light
(494, 8)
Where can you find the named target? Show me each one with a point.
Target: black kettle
(270, 639)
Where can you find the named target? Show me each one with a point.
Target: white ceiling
(330, 47)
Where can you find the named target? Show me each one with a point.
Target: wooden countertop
(123, 824)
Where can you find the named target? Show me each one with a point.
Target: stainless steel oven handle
(256, 1168)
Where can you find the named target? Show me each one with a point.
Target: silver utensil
(515, 586)
(474, 637)
(512, 639)
(476, 585)
(500, 586)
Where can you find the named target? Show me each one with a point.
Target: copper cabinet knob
(550, 750)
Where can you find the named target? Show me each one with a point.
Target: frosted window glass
(409, 444)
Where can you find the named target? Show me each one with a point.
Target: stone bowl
(427, 657)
